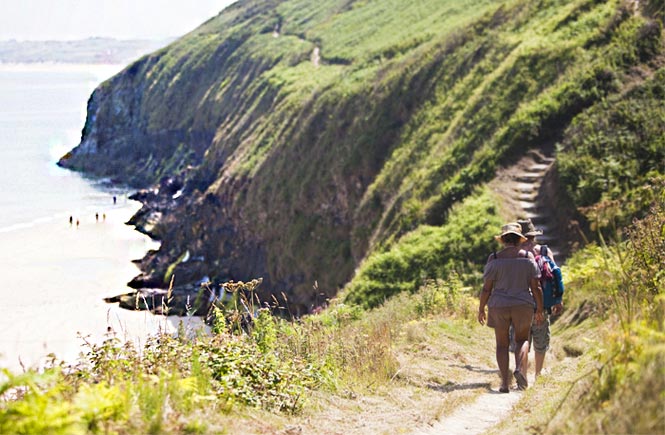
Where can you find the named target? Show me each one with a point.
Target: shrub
(460, 246)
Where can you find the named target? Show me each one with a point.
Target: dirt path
(520, 189)
(448, 380)
(316, 56)
(475, 418)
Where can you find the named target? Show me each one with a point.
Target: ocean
(54, 275)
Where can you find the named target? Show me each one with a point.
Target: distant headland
(90, 50)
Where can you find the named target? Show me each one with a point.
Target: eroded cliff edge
(287, 139)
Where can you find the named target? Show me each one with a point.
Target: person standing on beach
(511, 290)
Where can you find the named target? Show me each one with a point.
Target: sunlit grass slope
(312, 136)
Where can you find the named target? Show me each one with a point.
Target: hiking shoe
(522, 383)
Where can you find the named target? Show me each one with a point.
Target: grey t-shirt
(512, 277)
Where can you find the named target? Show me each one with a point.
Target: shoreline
(55, 285)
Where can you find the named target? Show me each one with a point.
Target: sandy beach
(55, 277)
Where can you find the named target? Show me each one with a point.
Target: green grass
(412, 107)
(613, 151)
(368, 172)
(460, 246)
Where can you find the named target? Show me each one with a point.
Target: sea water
(54, 275)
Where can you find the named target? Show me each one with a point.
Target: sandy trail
(518, 186)
(477, 417)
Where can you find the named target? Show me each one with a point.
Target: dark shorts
(501, 317)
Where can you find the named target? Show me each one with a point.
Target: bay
(53, 274)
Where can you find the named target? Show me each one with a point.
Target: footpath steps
(526, 181)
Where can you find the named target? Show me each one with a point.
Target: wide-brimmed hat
(528, 229)
(511, 228)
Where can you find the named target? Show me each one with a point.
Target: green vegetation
(319, 133)
(612, 152)
(362, 173)
(613, 334)
(459, 247)
(200, 382)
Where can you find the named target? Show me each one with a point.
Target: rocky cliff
(290, 139)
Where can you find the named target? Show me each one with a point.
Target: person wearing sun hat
(552, 304)
(511, 290)
(530, 232)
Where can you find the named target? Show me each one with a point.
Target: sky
(33, 20)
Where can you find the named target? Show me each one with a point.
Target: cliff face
(288, 139)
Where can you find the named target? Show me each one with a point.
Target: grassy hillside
(348, 145)
(572, 64)
(310, 136)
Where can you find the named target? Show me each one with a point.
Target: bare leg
(502, 359)
(522, 356)
(522, 353)
(540, 361)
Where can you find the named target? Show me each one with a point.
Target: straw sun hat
(511, 228)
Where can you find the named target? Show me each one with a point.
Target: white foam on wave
(16, 227)
(31, 223)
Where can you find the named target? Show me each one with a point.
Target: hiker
(71, 220)
(114, 199)
(511, 291)
(530, 232)
(552, 287)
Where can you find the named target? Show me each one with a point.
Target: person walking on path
(511, 290)
(552, 287)
(530, 232)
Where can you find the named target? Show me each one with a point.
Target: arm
(537, 292)
(488, 285)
